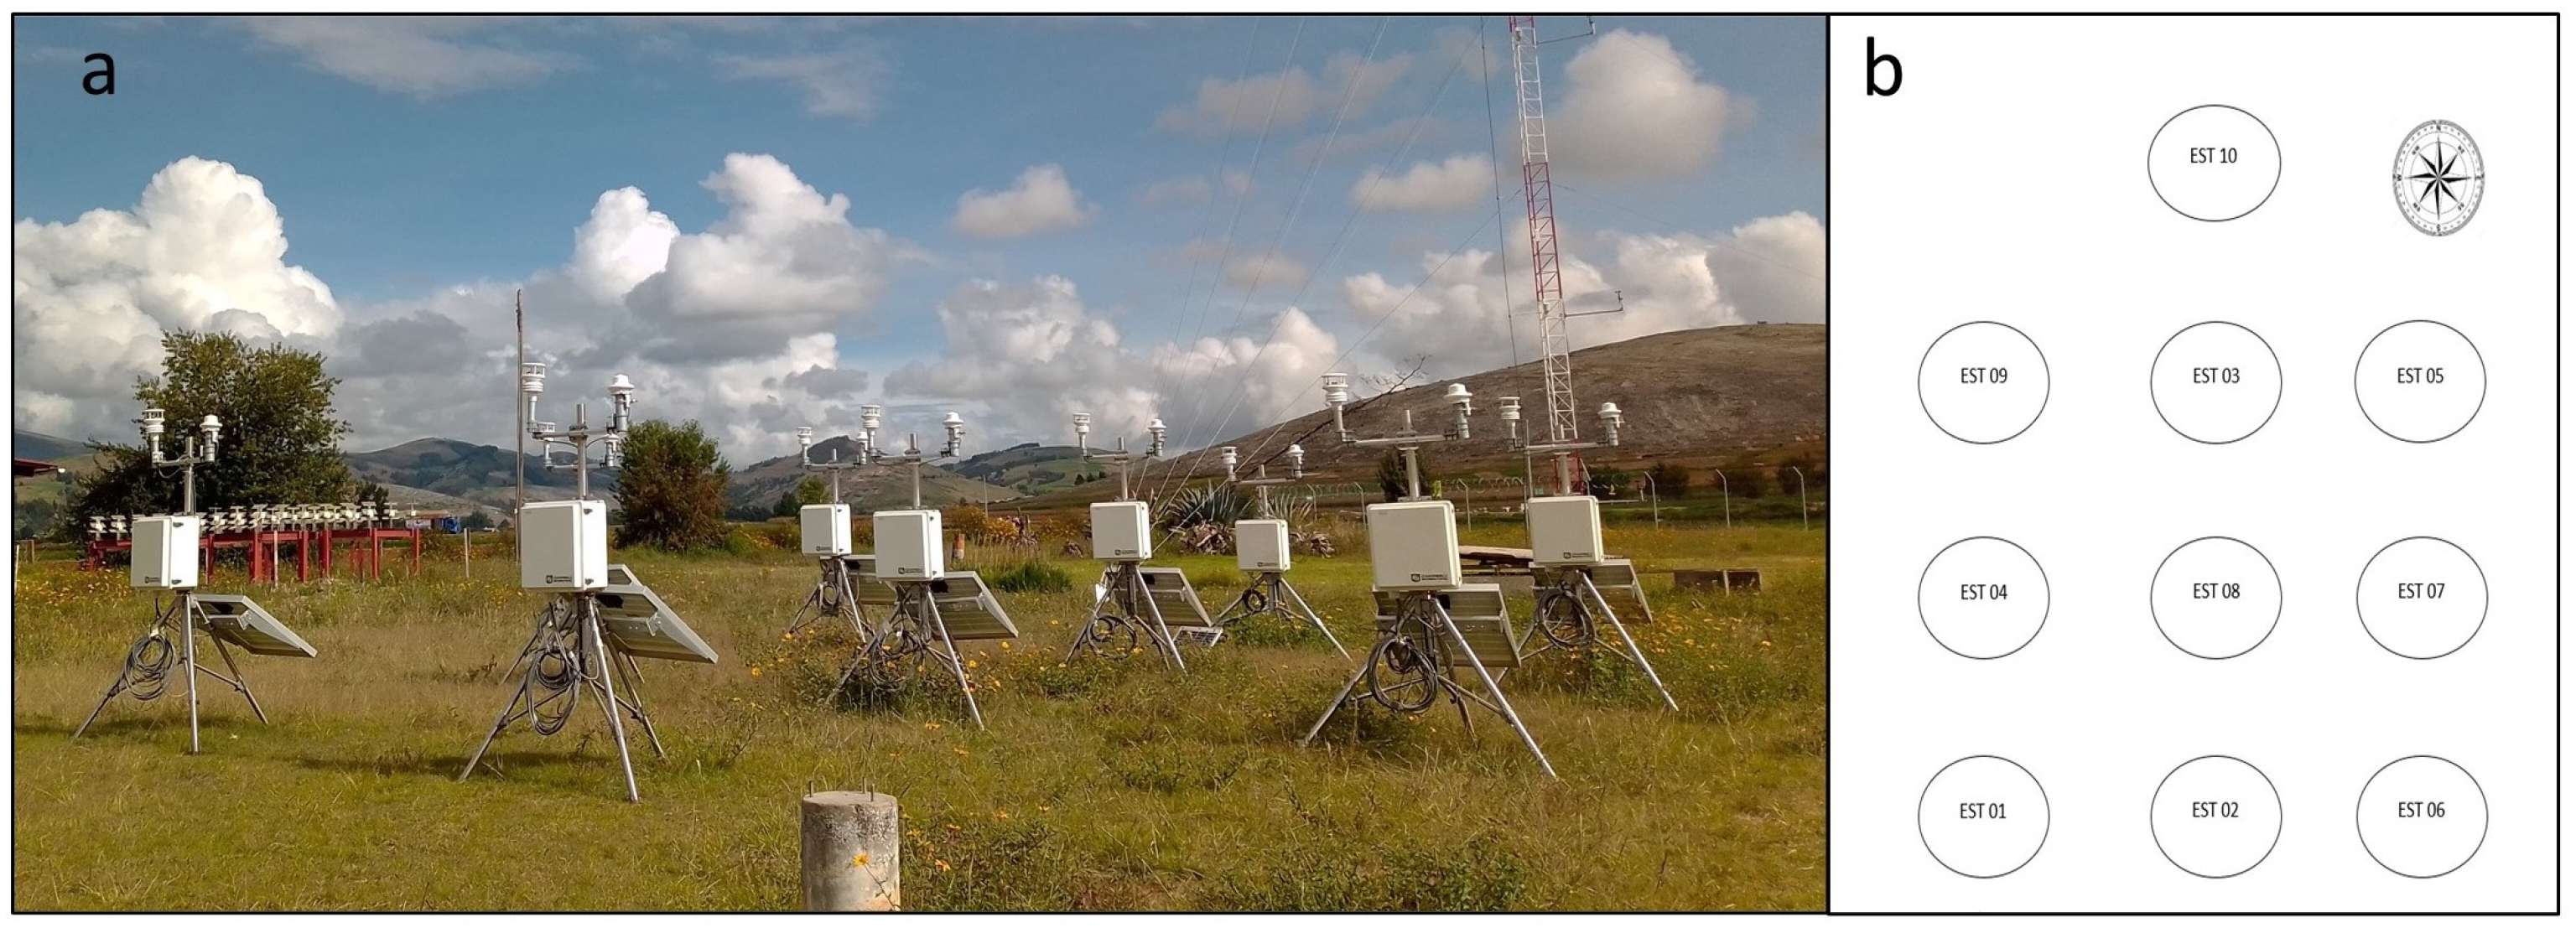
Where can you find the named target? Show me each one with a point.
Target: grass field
(1099, 785)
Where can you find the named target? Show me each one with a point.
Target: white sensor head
(532, 377)
(152, 421)
(871, 417)
(804, 436)
(1337, 388)
(621, 387)
(1511, 407)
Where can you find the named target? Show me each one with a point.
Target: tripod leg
(509, 713)
(955, 664)
(634, 702)
(850, 605)
(1162, 632)
(124, 673)
(589, 617)
(188, 632)
(1502, 702)
(1633, 653)
(237, 681)
(1291, 593)
(1338, 702)
(113, 687)
(1082, 635)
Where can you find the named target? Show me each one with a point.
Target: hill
(1029, 468)
(1696, 397)
(866, 489)
(37, 446)
(480, 474)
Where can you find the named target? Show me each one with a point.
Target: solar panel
(969, 610)
(966, 605)
(1618, 577)
(1171, 593)
(1477, 609)
(636, 622)
(239, 621)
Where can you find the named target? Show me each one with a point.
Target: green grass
(1099, 785)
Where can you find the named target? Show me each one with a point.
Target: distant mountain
(866, 489)
(37, 446)
(1697, 397)
(481, 474)
(1029, 468)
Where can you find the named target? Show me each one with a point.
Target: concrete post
(851, 849)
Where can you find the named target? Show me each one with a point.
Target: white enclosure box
(563, 545)
(1564, 531)
(1121, 532)
(1261, 544)
(165, 552)
(827, 529)
(1413, 546)
(908, 545)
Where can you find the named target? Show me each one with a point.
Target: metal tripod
(831, 597)
(901, 647)
(567, 654)
(1423, 648)
(1270, 594)
(1566, 620)
(149, 661)
(1115, 632)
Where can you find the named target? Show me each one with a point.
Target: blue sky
(421, 169)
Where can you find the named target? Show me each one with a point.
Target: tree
(376, 493)
(672, 487)
(807, 492)
(1390, 475)
(1611, 482)
(478, 521)
(1672, 481)
(280, 440)
(1744, 481)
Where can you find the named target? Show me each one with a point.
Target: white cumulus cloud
(1285, 98)
(1770, 270)
(204, 249)
(421, 56)
(1023, 357)
(1635, 108)
(1457, 183)
(1040, 201)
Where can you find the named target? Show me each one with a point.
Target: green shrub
(1029, 577)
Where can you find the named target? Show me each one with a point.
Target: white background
(2006, 181)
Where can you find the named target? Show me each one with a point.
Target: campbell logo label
(1417, 578)
(148, 578)
(1122, 550)
(558, 578)
(1572, 554)
(1265, 563)
(908, 570)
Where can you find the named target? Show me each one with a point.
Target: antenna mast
(1555, 346)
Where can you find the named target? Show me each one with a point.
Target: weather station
(1567, 564)
(165, 552)
(1430, 626)
(599, 618)
(928, 608)
(824, 529)
(1127, 605)
(1262, 550)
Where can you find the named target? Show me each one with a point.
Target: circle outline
(2484, 589)
(2485, 824)
(2277, 608)
(2464, 423)
(2045, 605)
(2045, 809)
(2279, 825)
(2280, 163)
(2047, 383)
(2277, 375)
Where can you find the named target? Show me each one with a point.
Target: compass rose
(2438, 177)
